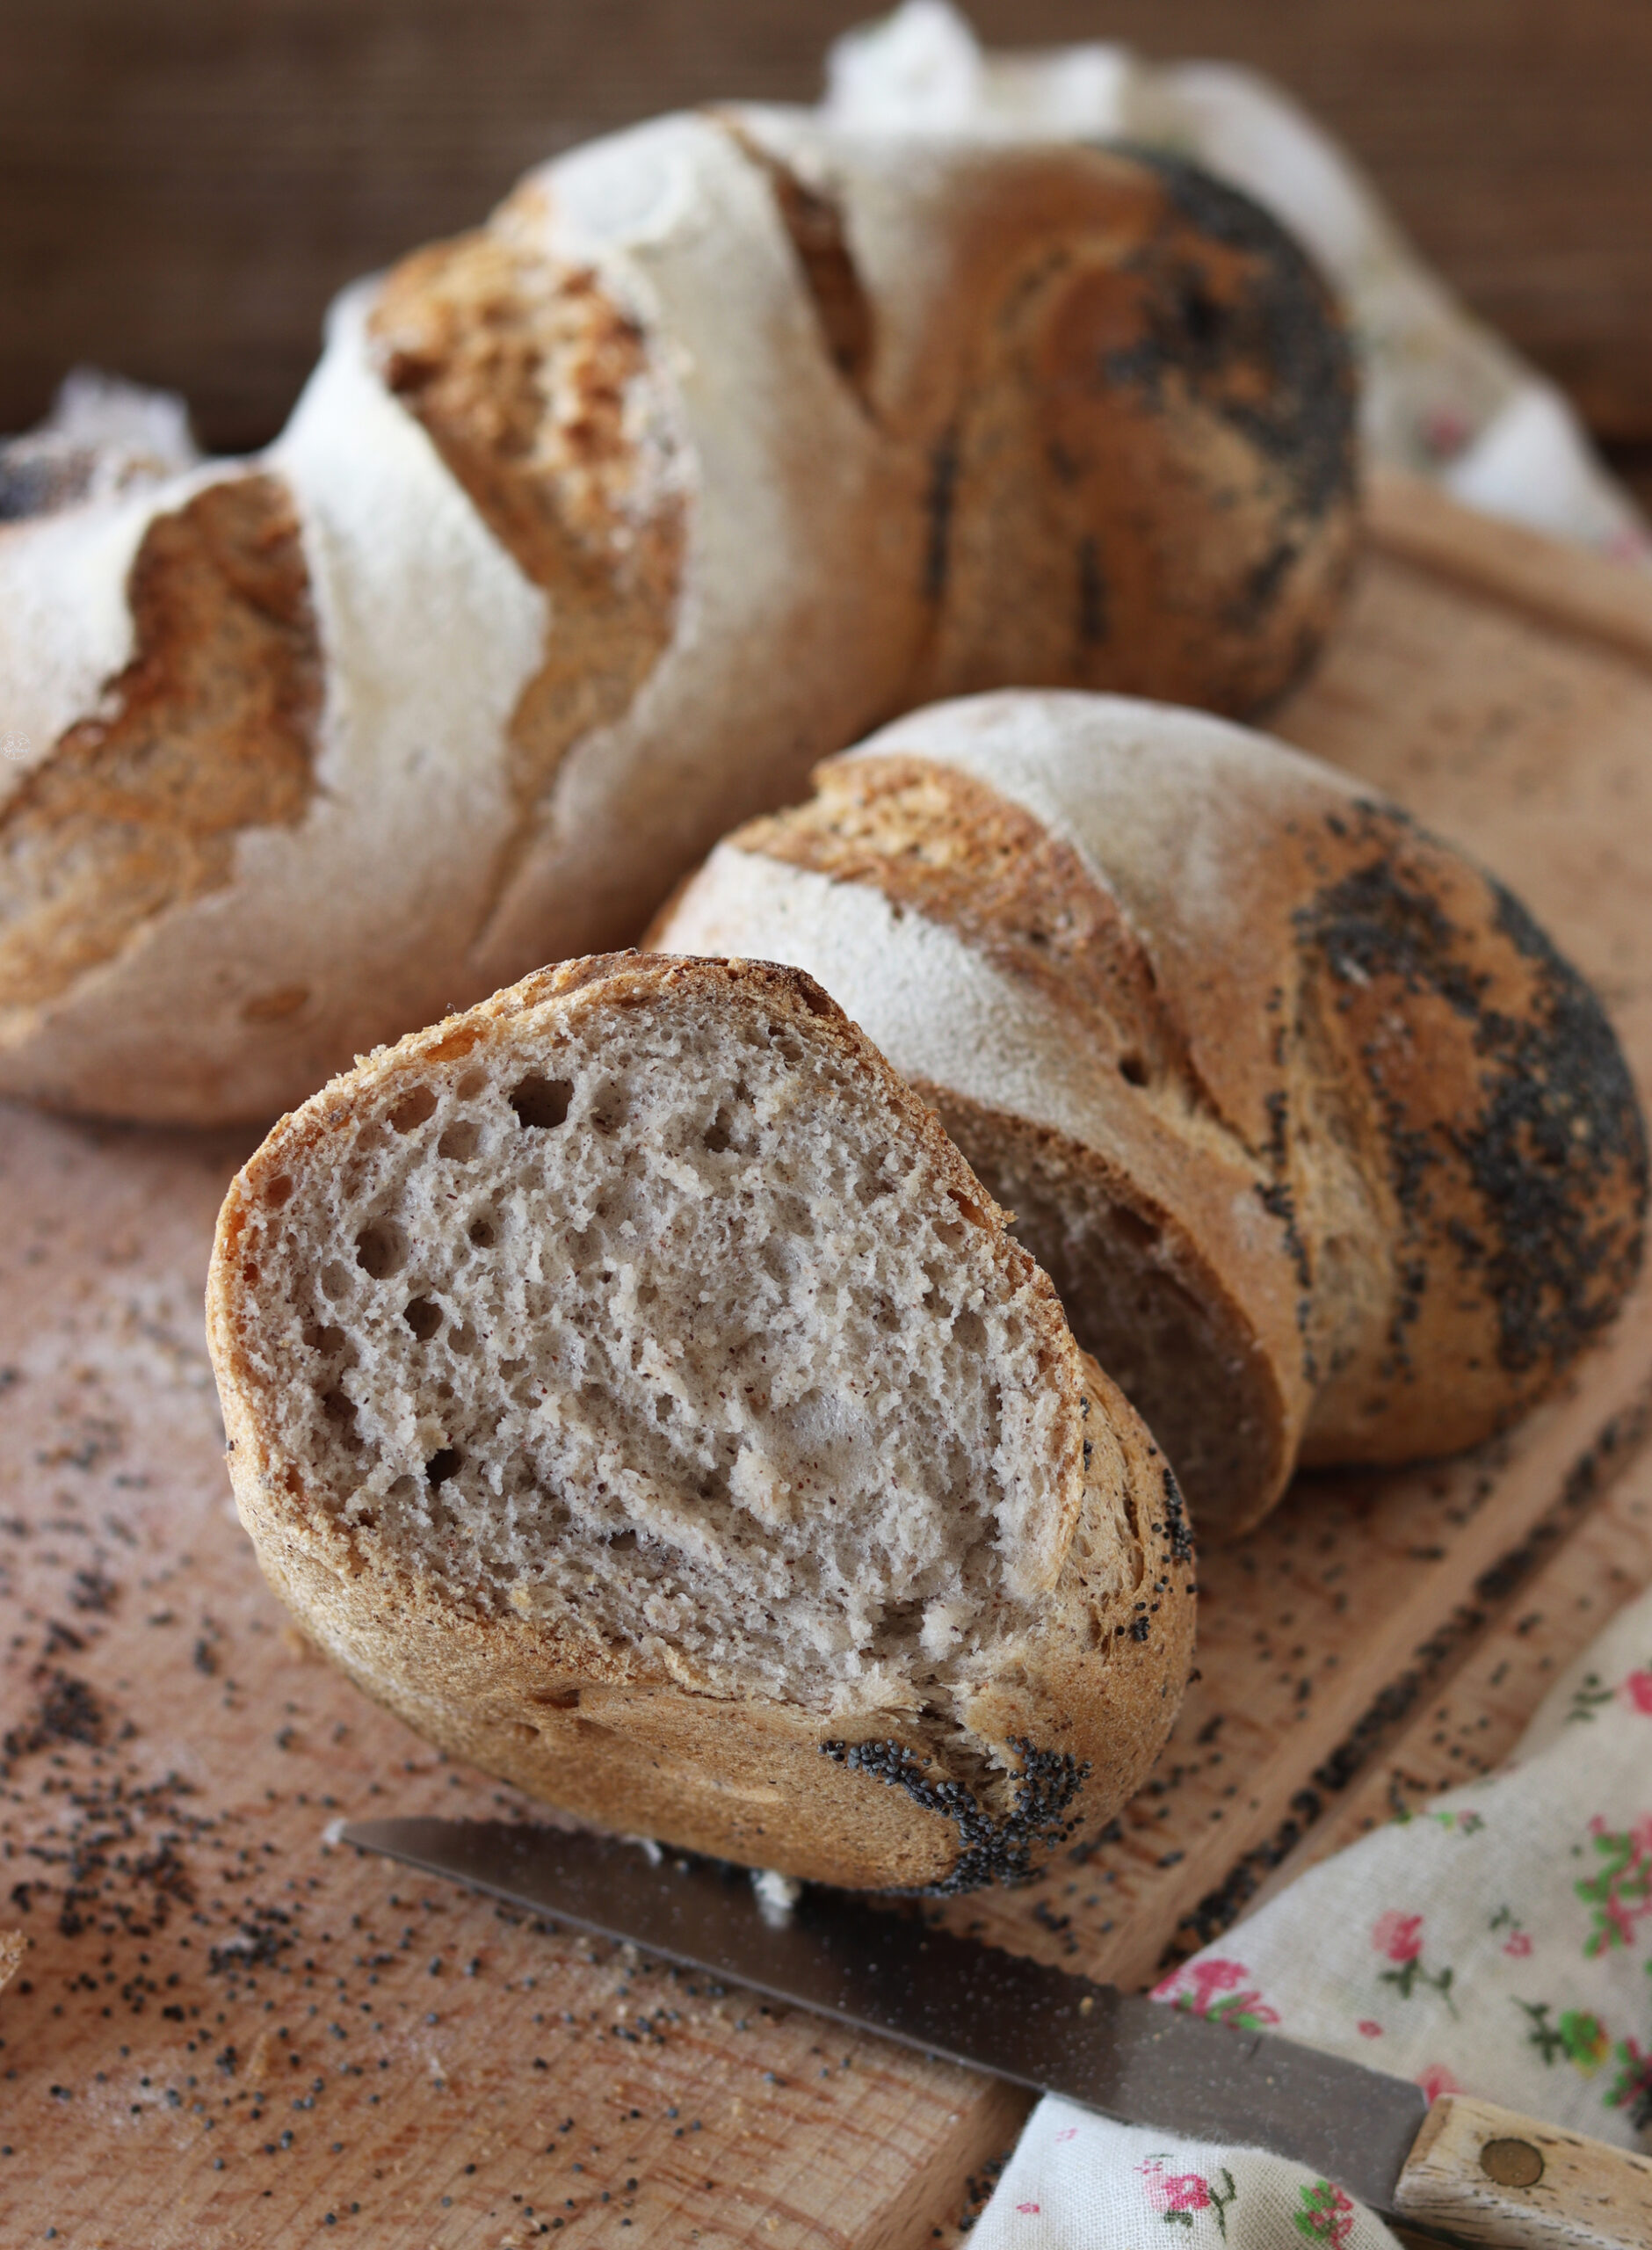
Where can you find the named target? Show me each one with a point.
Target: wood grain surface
(183, 186)
(227, 2030)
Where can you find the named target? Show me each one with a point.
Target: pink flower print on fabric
(1176, 2196)
(1619, 1895)
(1398, 1935)
(1437, 2080)
(1327, 2214)
(1399, 1938)
(1220, 1990)
(1367, 2029)
(1637, 1693)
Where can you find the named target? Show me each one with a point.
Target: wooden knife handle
(1485, 2175)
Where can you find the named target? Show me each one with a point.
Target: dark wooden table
(183, 184)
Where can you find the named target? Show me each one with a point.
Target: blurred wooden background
(183, 183)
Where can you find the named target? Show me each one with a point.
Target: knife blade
(872, 1970)
(1460, 2171)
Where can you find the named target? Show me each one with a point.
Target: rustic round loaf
(724, 440)
(1331, 1156)
(628, 1382)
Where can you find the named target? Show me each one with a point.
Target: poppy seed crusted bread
(629, 1383)
(724, 438)
(1330, 1154)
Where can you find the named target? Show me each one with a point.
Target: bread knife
(1460, 2171)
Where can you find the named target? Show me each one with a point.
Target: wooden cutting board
(227, 2030)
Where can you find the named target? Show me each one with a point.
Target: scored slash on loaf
(629, 1383)
(725, 439)
(1330, 1154)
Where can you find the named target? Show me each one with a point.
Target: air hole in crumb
(481, 1233)
(413, 1110)
(556, 1699)
(462, 1340)
(458, 1142)
(381, 1250)
(404, 1488)
(442, 1465)
(424, 1316)
(278, 1192)
(540, 1103)
(334, 1280)
(717, 1132)
(608, 1110)
(1133, 1070)
(340, 1409)
(970, 1330)
(473, 1083)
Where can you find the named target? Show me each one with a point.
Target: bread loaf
(1329, 1153)
(629, 1383)
(726, 439)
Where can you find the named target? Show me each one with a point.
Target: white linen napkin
(1498, 1943)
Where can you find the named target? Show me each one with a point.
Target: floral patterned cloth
(1498, 1943)
(1443, 395)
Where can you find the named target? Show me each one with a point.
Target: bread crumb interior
(664, 1327)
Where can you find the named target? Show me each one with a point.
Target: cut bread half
(629, 1383)
(1331, 1154)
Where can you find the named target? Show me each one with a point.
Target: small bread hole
(341, 1411)
(462, 1340)
(481, 1233)
(424, 1316)
(278, 1192)
(404, 1488)
(608, 1110)
(556, 1699)
(716, 1133)
(1132, 1069)
(458, 1142)
(413, 1110)
(380, 1249)
(471, 1084)
(334, 1280)
(442, 1465)
(541, 1103)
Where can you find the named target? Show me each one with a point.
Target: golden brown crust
(1079, 1710)
(523, 375)
(209, 730)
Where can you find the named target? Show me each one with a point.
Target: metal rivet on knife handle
(1511, 2164)
(1482, 2174)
